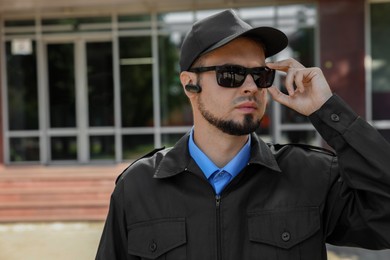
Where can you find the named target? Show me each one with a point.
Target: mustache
(246, 99)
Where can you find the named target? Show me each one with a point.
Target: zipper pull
(217, 200)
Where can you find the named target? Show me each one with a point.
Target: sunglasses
(233, 76)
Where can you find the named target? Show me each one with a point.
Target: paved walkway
(79, 241)
(49, 241)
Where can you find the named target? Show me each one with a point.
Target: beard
(248, 125)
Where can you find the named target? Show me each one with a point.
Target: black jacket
(286, 204)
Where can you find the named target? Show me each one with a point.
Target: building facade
(97, 82)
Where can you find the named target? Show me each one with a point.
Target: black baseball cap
(217, 30)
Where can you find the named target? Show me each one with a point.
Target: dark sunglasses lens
(234, 76)
(230, 76)
(264, 77)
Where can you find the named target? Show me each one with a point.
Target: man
(222, 193)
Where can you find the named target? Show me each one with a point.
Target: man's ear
(185, 79)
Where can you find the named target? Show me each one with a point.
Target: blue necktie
(219, 180)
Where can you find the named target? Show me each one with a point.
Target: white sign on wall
(21, 47)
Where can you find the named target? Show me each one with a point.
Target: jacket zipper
(218, 217)
(218, 213)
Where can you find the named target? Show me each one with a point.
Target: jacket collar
(177, 159)
(262, 155)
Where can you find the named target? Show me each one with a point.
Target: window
(175, 108)
(24, 149)
(134, 146)
(100, 84)
(64, 148)
(380, 53)
(102, 147)
(22, 87)
(136, 81)
(61, 79)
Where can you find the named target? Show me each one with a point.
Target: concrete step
(53, 214)
(36, 189)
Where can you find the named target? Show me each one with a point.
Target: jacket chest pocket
(158, 239)
(289, 234)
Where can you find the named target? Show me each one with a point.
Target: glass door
(80, 101)
(100, 99)
(62, 119)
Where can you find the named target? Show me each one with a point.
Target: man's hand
(312, 89)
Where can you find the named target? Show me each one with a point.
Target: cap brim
(273, 40)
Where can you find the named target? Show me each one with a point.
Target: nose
(249, 86)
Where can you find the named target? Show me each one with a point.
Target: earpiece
(193, 88)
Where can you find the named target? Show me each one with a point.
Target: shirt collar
(233, 167)
(177, 159)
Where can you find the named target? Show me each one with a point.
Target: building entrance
(84, 88)
(80, 114)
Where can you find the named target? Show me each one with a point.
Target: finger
(278, 66)
(289, 82)
(299, 75)
(284, 65)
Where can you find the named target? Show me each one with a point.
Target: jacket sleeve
(358, 204)
(113, 242)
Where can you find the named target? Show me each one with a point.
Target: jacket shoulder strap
(149, 154)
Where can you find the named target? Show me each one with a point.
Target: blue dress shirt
(219, 177)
